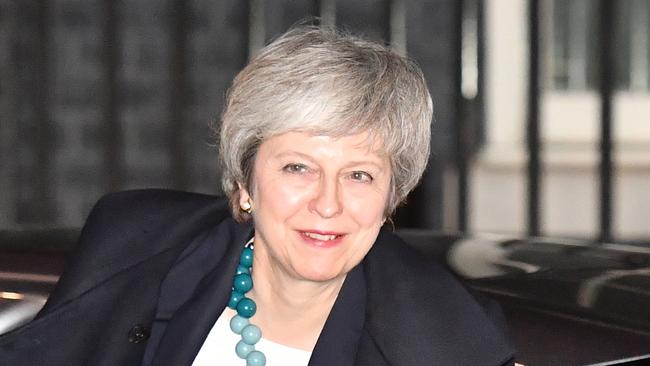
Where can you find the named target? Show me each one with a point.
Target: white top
(219, 349)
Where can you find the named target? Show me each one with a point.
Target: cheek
(367, 209)
(280, 198)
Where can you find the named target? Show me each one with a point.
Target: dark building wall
(102, 95)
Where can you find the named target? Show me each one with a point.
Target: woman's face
(318, 203)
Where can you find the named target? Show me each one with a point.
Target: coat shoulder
(412, 296)
(126, 228)
(147, 206)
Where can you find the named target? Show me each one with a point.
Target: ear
(244, 196)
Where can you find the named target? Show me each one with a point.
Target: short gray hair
(325, 82)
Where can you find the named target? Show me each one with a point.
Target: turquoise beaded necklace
(246, 308)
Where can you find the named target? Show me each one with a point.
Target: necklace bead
(241, 269)
(238, 323)
(246, 258)
(251, 334)
(256, 358)
(246, 308)
(243, 283)
(243, 349)
(235, 298)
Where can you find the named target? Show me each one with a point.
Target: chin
(320, 274)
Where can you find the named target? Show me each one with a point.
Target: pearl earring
(247, 207)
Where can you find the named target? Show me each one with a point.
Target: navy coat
(153, 271)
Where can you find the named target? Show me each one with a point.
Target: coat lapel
(192, 322)
(337, 343)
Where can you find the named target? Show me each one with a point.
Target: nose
(326, 202)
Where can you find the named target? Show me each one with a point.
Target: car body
(31, 262)
(565, 302)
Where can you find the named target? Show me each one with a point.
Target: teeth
(320, 237)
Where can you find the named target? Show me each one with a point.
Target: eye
(360, 176)
(295, 168)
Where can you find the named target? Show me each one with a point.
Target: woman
(322, 136)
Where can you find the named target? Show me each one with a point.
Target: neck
(290, 311)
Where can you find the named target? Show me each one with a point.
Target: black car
(565, 302)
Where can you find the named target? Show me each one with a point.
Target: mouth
(322, 239)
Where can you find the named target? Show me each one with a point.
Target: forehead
(358, 145)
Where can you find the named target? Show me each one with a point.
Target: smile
(320, 236)
(322, 239)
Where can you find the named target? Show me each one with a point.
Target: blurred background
(542, 108)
